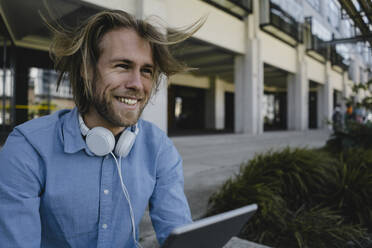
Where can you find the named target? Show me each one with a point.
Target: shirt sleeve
(20, 188)
(168, 204)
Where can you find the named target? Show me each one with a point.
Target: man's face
(124, 79)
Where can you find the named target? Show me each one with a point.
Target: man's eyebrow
(128, 61)
(148, 65)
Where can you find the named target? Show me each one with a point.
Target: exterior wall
(336, 80)
(275, 51)
(316, 70)
(181, 13)
(127, 5)
(189, 80)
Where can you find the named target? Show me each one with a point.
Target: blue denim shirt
(55, 193)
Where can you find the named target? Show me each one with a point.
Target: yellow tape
(33, 107)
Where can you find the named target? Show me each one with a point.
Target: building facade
(259, 65)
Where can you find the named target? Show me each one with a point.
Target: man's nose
(135, 80)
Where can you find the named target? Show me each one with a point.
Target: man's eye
(124, 66)
(147, 71)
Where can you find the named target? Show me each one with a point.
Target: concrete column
(249, 80)
(157, 109)
(291, 105)
(320, 107)
(210, 108)
(298, 94)
(219, 104)
(344, 91)
(215, 105)
(327, 98)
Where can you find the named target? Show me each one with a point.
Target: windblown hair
(76, 51)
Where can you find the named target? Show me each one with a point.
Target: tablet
(210, 232)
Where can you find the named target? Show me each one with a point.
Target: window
(292, 8)
(315, 4)
(334, 14)
(319, 30)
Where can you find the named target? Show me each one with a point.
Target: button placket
(105, 202)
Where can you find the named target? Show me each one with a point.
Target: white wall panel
(220, 29)
(129, 6)
(277, 53)
(336, 80)
(190, 81)
(315, 70)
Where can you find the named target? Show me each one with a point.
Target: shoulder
(151, 131)
(41, 132)
(41, 124)
(153, 137)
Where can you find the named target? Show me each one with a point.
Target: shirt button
(104, 226)
(107, 156)
(106, 191)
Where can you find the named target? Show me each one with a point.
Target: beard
(107, 107)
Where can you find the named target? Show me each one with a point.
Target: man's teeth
(127, 100)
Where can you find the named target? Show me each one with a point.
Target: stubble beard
(104, 106)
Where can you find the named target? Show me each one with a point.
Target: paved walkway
(209, 160)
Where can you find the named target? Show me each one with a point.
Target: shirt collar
(73, 140)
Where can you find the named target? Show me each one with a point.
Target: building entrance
(186, 110)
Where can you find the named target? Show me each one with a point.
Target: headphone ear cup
(125, 143)
(100, 141)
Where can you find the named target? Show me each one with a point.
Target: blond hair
(77, 49)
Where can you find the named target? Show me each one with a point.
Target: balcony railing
(316, 48)
(337, 59)
(237, 8)
(279, 23)
(244, 4)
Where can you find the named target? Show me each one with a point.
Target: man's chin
(130, 119)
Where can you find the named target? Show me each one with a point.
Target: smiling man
(84, 177)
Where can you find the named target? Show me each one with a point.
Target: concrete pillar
(249, 80)
(298, 94)
(291, 105)
(157, 109)
(320, 106)
(344, 91)
(327, 98)
(219, 104)
(215, 105)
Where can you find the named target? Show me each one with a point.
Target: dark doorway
(313, 118)
(186, 106)
(229, 111)
(313, 104)
(337, 98)
(275, 113)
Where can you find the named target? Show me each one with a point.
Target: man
(337, 119)
(63, 180)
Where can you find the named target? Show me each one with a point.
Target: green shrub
(306, 198)
(355, 136)
(353, 188)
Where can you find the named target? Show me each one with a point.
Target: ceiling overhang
(25, 26)
(206, 60)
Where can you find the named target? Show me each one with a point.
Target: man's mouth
(128, 101)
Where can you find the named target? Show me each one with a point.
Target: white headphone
(101, 141)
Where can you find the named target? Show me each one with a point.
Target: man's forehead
(126, 43)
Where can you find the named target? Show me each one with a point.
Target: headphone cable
(126, 194)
